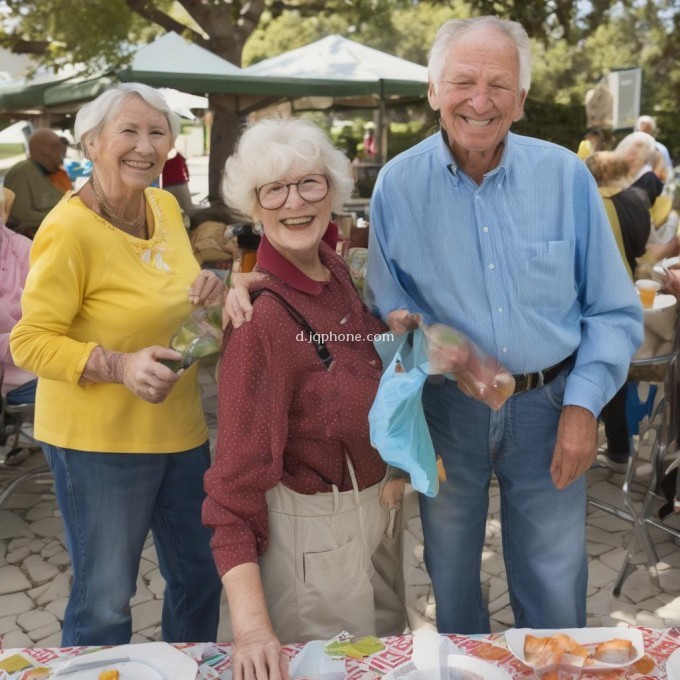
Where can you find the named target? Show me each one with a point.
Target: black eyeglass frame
(288, 186)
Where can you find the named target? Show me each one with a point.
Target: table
(659, 645)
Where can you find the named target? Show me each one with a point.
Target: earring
(258, 228)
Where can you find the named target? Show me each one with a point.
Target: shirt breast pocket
(547, 275)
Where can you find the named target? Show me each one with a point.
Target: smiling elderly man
(29, 180)
(505, 238)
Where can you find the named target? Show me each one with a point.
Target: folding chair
(16, 421)
(657, 420)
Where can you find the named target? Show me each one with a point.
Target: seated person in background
(628, 213)
(18, 386)
(29, 180)
(60, 177)
(627, 207)
(639, 151)
(648, 124)
(293, 456)
(175, 179)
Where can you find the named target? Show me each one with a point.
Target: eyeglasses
(311, 188)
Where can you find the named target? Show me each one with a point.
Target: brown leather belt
(531, 381)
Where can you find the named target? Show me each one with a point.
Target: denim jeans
(543, 528)
(109, 501)
(24, 394)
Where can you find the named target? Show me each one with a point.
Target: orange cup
(647, 289)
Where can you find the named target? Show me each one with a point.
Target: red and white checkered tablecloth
(659, 645)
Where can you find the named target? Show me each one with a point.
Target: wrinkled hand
(576, 445)
(401, 321)
(256, 655)
(207, 289)
(393, 493)
(237, 307)
(145, 377)
(671, 283)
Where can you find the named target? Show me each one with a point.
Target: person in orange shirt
(60, 177)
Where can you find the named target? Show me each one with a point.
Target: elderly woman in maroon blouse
(294, 492)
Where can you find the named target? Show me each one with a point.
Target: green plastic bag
(198, 337)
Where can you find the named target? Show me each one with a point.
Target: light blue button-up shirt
(525, 263)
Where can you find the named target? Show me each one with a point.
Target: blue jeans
(24, 394)
(543, 528)
(109, 501)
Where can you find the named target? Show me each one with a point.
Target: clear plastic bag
(478, 374)
(198, 337)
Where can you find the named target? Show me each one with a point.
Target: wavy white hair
(270, 148)
(92, 117)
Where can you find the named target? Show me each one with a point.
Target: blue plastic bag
(397, 420)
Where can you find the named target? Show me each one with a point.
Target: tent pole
(383, 126)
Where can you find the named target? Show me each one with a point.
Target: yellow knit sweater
(91, 284)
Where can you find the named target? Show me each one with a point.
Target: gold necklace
(135, 227)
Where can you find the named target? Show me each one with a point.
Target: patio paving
(35, 568)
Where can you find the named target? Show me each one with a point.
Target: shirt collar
(271, 260)
(501, 170)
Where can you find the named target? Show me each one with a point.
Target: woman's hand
(256, 655)
(207, 289)
(237, 307)
(144, 376)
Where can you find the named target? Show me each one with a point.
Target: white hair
(456, 28)
(639, 148)
(646, 119)
(92, 117)
(271, 148)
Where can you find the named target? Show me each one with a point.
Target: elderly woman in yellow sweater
(112, 276)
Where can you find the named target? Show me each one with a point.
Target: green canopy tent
(355, 76)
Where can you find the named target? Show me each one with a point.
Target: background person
(18, 386)
(505, 238)
(112, 276)
(294, 492)
(175, 179)
(628, 214)
(30, 181)
(60, 177)
(648, 124)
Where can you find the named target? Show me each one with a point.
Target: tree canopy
(575, 43)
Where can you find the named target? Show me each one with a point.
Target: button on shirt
(524, 263)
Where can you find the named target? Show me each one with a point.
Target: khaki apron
(332, 565)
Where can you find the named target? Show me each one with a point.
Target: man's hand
(401, 321)
(237, 307)
(576, 445)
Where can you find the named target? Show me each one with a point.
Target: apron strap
(357, 499)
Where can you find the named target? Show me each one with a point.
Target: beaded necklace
(135, 227)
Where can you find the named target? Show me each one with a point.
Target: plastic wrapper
(356, 261)
(478, 374)
(200, 336)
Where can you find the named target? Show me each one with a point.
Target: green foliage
(575, 44)
(94, 33)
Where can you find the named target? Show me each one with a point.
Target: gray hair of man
(92, 117)
(638, 148)
(646, 121)
(456, 28)
(272, 148)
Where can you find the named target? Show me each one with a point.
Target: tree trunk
(226, 126)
